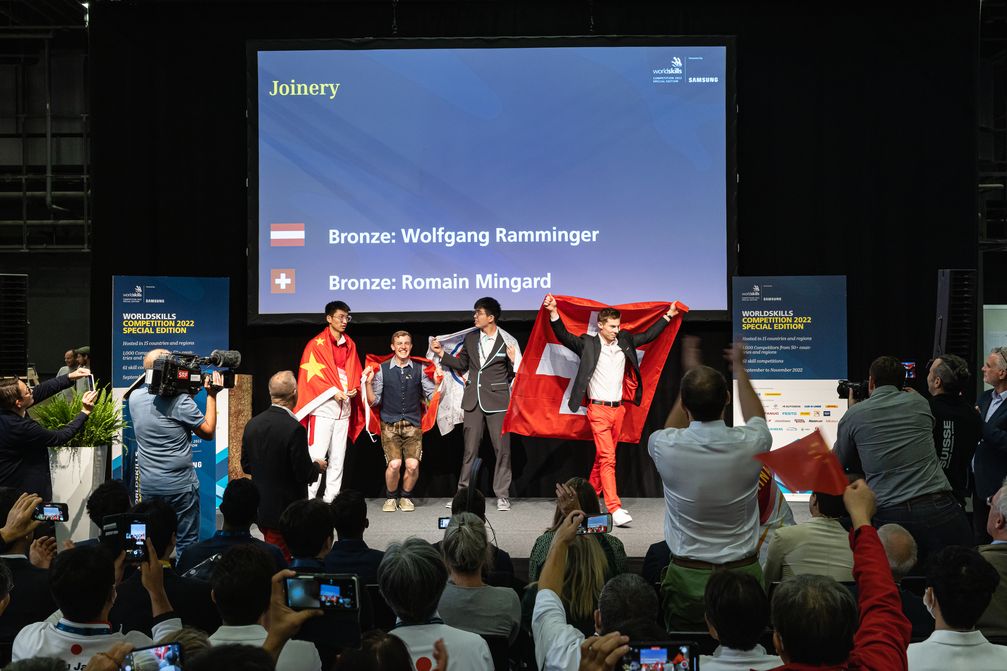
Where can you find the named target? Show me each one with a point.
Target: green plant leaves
(102, 427)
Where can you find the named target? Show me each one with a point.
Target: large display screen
(416, 180)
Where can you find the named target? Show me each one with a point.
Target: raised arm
(567, 339)
(751, 406)
(459, 363)
(656, 328)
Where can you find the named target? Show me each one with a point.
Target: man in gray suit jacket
(489, 361)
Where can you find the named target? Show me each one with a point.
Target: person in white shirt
(710, 483)
(242, 585)
(737, 614)
(960, 584)
(411, 578)
(82, 581)
(820, 546)
(627, 609)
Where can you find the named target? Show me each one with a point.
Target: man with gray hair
(900, 548)
(994, 619)
(957, 427)
(164, 428)
(411, 578)
(990, 462)
(274, 451)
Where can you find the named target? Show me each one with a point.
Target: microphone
(225, 358)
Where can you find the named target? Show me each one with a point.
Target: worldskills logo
(134, 296)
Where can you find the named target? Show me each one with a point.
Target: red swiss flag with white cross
(544, 382)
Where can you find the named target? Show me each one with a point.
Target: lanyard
(104, 630)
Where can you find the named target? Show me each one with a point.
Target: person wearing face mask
(399, 387)
(608, 375)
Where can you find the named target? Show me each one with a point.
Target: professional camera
(859, 389)
(180, 372)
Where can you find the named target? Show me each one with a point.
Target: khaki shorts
(401, 440)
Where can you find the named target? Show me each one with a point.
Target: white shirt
(710, 483)
(465, 650)
(295, 656)
(485, 352)
(46, 639)
(729, 659)
(557, 644)
(606, 382)
(956, 651)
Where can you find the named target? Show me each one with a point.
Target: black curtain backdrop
(856, 155)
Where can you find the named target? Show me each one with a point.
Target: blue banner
(179, 314)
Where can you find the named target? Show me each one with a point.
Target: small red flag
(807, 465)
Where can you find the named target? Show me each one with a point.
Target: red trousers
(274, 537)
(606, 423)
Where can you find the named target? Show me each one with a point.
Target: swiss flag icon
(281, 280)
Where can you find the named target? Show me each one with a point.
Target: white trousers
(329, 443)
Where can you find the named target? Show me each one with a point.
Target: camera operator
(957, 426)
(24, 457)
(164, 428)
(891, 435)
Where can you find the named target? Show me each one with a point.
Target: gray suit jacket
(994, 620)
(488, 385)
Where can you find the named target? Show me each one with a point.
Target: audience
(737, 615)
(957, 425)
(627, 609)
(994, 620)
(960, 584)
(819, 546)
(82, 582)
(583, 580)
(30, 600)
(467, 602)
(191, 598)
(242, 589)
(239, 506)
(350, 554)
(900, 548)
(710, 484)
(499, 571)
(380, 651)
(815, 619)
(412, 577)
(889, 438)
(576, 494)
(109, 498)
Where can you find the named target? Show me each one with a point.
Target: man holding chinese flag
(607, 376)
(328, 386)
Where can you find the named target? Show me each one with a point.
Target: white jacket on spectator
(295, 656)
(557, 644)
(76, 643)
(729, 659)
(956, 651)
(465, 650)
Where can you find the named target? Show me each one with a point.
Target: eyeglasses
(1002, 351)
(346, 319)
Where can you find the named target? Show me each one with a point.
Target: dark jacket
(957, 429)
(588, 348)
(30, 600)
(24, 454)
(189, 598)
(220, 543)
(488, 384)
(353, 556)
(991, 453)
(274, 451)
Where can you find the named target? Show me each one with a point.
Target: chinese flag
(807, 465)
(544, 381)
(318, 379)
(429, 415)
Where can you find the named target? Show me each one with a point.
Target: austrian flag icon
(286, 235)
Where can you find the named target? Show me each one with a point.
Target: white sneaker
(448, 504)
(503, 504)
(621, 518)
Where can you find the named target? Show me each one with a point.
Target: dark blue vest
(401, 393)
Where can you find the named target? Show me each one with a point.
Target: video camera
(859, 389)
(180, 372)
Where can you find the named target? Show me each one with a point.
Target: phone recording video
(660, 656)
(90, 382)
(51, 512)
(322, 590)
(443, 522)
(167, 657)
(135, 541)
(910, 367)
(595, 524)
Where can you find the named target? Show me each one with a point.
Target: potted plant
(78, 466)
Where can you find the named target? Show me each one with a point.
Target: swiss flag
(374, 362)
(544, 382)
(807, 464)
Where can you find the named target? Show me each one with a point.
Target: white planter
(76, 472)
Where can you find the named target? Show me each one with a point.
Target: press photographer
(24, 454)
(164, 417)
